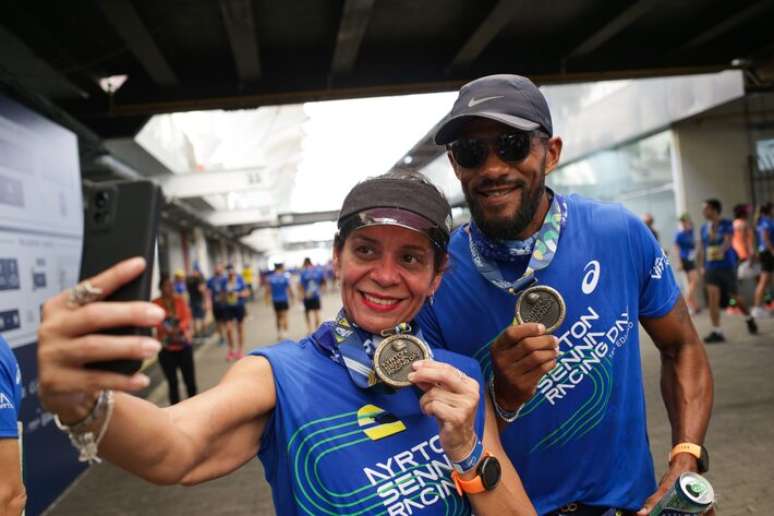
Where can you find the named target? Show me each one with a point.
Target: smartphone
(121, 221)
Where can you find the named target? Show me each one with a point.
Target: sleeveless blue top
(330, 447)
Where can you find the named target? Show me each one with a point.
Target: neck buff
(541, 247)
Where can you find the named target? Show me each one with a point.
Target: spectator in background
(685, 248)
(13, 496)
(236, 293)
(742, 240)
(249, 278)
(175, 334)
(281, 296)
(647, 218)
(196, 289)
(310, 287)
(765, 230)
(718, 263)
(216, 285)
(180, 283)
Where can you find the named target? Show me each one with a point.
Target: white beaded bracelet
(87, 443)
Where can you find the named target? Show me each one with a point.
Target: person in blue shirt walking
(685, 248)
(13, 496)
(717, 260)
(333, 436)
(310, 286)
(764, 230)
(216, 286)
(236, 295)
(571, 403)
(279, 291)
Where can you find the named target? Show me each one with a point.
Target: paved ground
(741, 436)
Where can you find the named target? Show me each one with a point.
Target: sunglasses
(509, 147)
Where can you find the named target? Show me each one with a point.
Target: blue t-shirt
(331, 447)
(714, 258)
(765, 227)
(311, 279)
(685, 241)
(279, 282)
(10, 392)
(583, 436)
(217, 285)
(233, 291)
(180, 287)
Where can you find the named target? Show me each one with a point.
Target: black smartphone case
(121, 221)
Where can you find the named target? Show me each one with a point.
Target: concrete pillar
(710, 160)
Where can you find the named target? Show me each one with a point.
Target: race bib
(715, 253)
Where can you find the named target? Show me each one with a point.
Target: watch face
(489, 471)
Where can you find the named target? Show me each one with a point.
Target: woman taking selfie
(358, 418)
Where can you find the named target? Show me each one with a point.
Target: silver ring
(83, 293)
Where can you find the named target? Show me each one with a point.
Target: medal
(393, 358)
(541, 304)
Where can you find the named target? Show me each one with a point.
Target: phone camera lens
(101, 199)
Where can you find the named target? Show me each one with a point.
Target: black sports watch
(489, 471)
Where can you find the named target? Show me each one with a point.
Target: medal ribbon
(543, 247)
(349, 345)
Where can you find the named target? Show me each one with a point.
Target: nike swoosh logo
(475, 102)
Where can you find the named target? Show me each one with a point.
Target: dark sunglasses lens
(513, 147)
(469, 153)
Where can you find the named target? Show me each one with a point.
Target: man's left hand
(680, 464)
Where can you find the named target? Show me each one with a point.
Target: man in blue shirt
(12, 493)
(571, 405)
(278, 290)
(717, 260)
(685, 245)
(216, 286)
(311, 283)
(765, 232)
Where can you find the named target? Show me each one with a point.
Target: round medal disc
(541, 304)
(393, 358)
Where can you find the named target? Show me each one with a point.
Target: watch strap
(473, 486)
(685, 447)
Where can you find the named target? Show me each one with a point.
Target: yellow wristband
(693, 449)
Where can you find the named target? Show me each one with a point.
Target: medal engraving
(393, 358)
(541, 304)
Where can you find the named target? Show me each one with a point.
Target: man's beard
(508, 228)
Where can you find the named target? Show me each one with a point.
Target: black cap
(510, 99)
(408, 203)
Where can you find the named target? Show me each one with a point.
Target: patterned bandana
(541, 245)
(347, 344)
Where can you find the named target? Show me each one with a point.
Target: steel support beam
(240, 26)
(354, 22)
(496, 20)
(613, 27)
(727, 24)
(123, 17)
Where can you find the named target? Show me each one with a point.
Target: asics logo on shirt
(591, 278)
(5, 403)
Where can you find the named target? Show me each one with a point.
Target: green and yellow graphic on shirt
(586, 357)
(417, 477)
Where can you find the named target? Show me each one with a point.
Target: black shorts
(725, 279)
(280, 306)
(235, 313)
(767, 261)
(219, 313)
(688, 265)
(312, 304)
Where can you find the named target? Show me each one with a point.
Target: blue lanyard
(349, 345)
